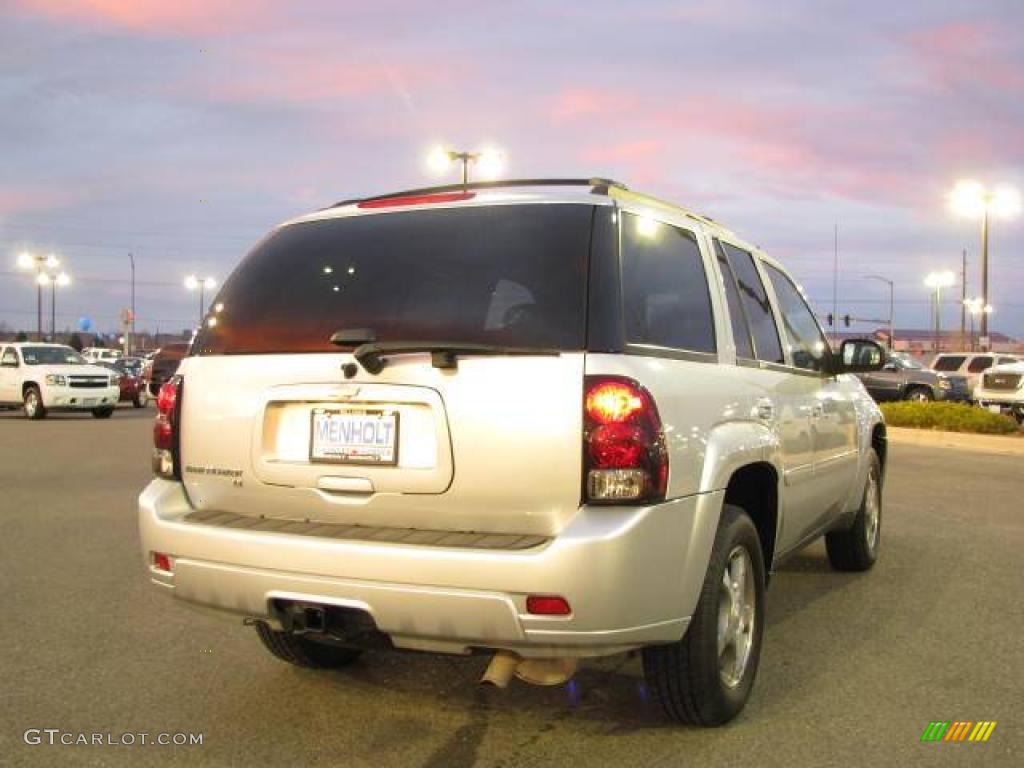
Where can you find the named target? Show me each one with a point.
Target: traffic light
(830, 319)
(846, 320)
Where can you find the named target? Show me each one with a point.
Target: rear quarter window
(666, 299)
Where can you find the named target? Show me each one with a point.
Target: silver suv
(543, 420)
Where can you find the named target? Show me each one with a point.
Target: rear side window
(979, 364)
(510, 275)
(808, 347)
(755, 300)
(1006, 360)
(666, 300)
(737, 315)
(948, 362)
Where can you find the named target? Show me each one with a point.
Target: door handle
(764, 409)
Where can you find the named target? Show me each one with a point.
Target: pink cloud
(968, 54)
(156, 16)
(574, 103)
(28, 198)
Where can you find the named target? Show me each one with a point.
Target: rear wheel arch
(754, 488)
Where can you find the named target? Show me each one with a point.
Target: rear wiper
(442, 353)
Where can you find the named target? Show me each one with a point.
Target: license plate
(89, 401)
(996, 408)
(354, 437)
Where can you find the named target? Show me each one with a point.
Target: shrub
(950, 417)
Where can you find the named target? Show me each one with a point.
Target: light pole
(62, 279)
(202, 284)
(34, 262)
(892, 328)
(973, 200)
(488, 162)
(937, 281)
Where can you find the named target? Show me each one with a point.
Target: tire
(102, 413)
(303, 652)
(696, 679)
(32, 404)
(919, 394)
(856, 548)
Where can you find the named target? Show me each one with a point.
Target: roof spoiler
(599, 186)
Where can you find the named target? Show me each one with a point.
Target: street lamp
(62, 279)
(972, 200)
(488, 162)
(976, 307)
(34, 262)
(892, 329)
(937, 281)
(202, 284)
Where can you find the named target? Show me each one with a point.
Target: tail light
(165, 430)
(624, 456)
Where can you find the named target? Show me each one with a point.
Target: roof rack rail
(599, 186)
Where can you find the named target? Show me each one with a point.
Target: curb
(998, 444)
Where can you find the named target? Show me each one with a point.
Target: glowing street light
(975, 308)
(971, 200)
(34, 262)
(488, 162)
(937, 281)
(202, 284)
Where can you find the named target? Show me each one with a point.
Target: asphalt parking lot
(854, 666)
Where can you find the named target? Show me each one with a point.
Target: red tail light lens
(624, 456)
(165, 430)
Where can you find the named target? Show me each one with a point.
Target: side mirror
(860, 356)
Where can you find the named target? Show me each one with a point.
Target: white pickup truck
(53, 377)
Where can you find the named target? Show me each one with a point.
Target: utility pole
(963, 300)
(835, 275)
(130, 345)
(985, 343)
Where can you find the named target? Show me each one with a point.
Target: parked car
(133, 386)
(163, 365)
(52, 377)
(1001, 390)
(645, 416)
(904, 378)
(970, 364)
(98, 354)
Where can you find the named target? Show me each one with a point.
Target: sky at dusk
(182, 131)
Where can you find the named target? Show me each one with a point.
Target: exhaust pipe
(534, 671)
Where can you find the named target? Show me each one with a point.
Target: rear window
(512, 275)
(948, 363)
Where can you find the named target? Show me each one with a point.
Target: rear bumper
(631, 574)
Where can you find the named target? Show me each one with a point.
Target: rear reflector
(547, 605)
(162, 562)
(396, 202)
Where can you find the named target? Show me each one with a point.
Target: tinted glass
(51, 356)
(948, 363)
(807, 343)
(512, 275)
(737, 316)
(666, 301)
(755, 301)
(1005, 360)
(979, 364)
